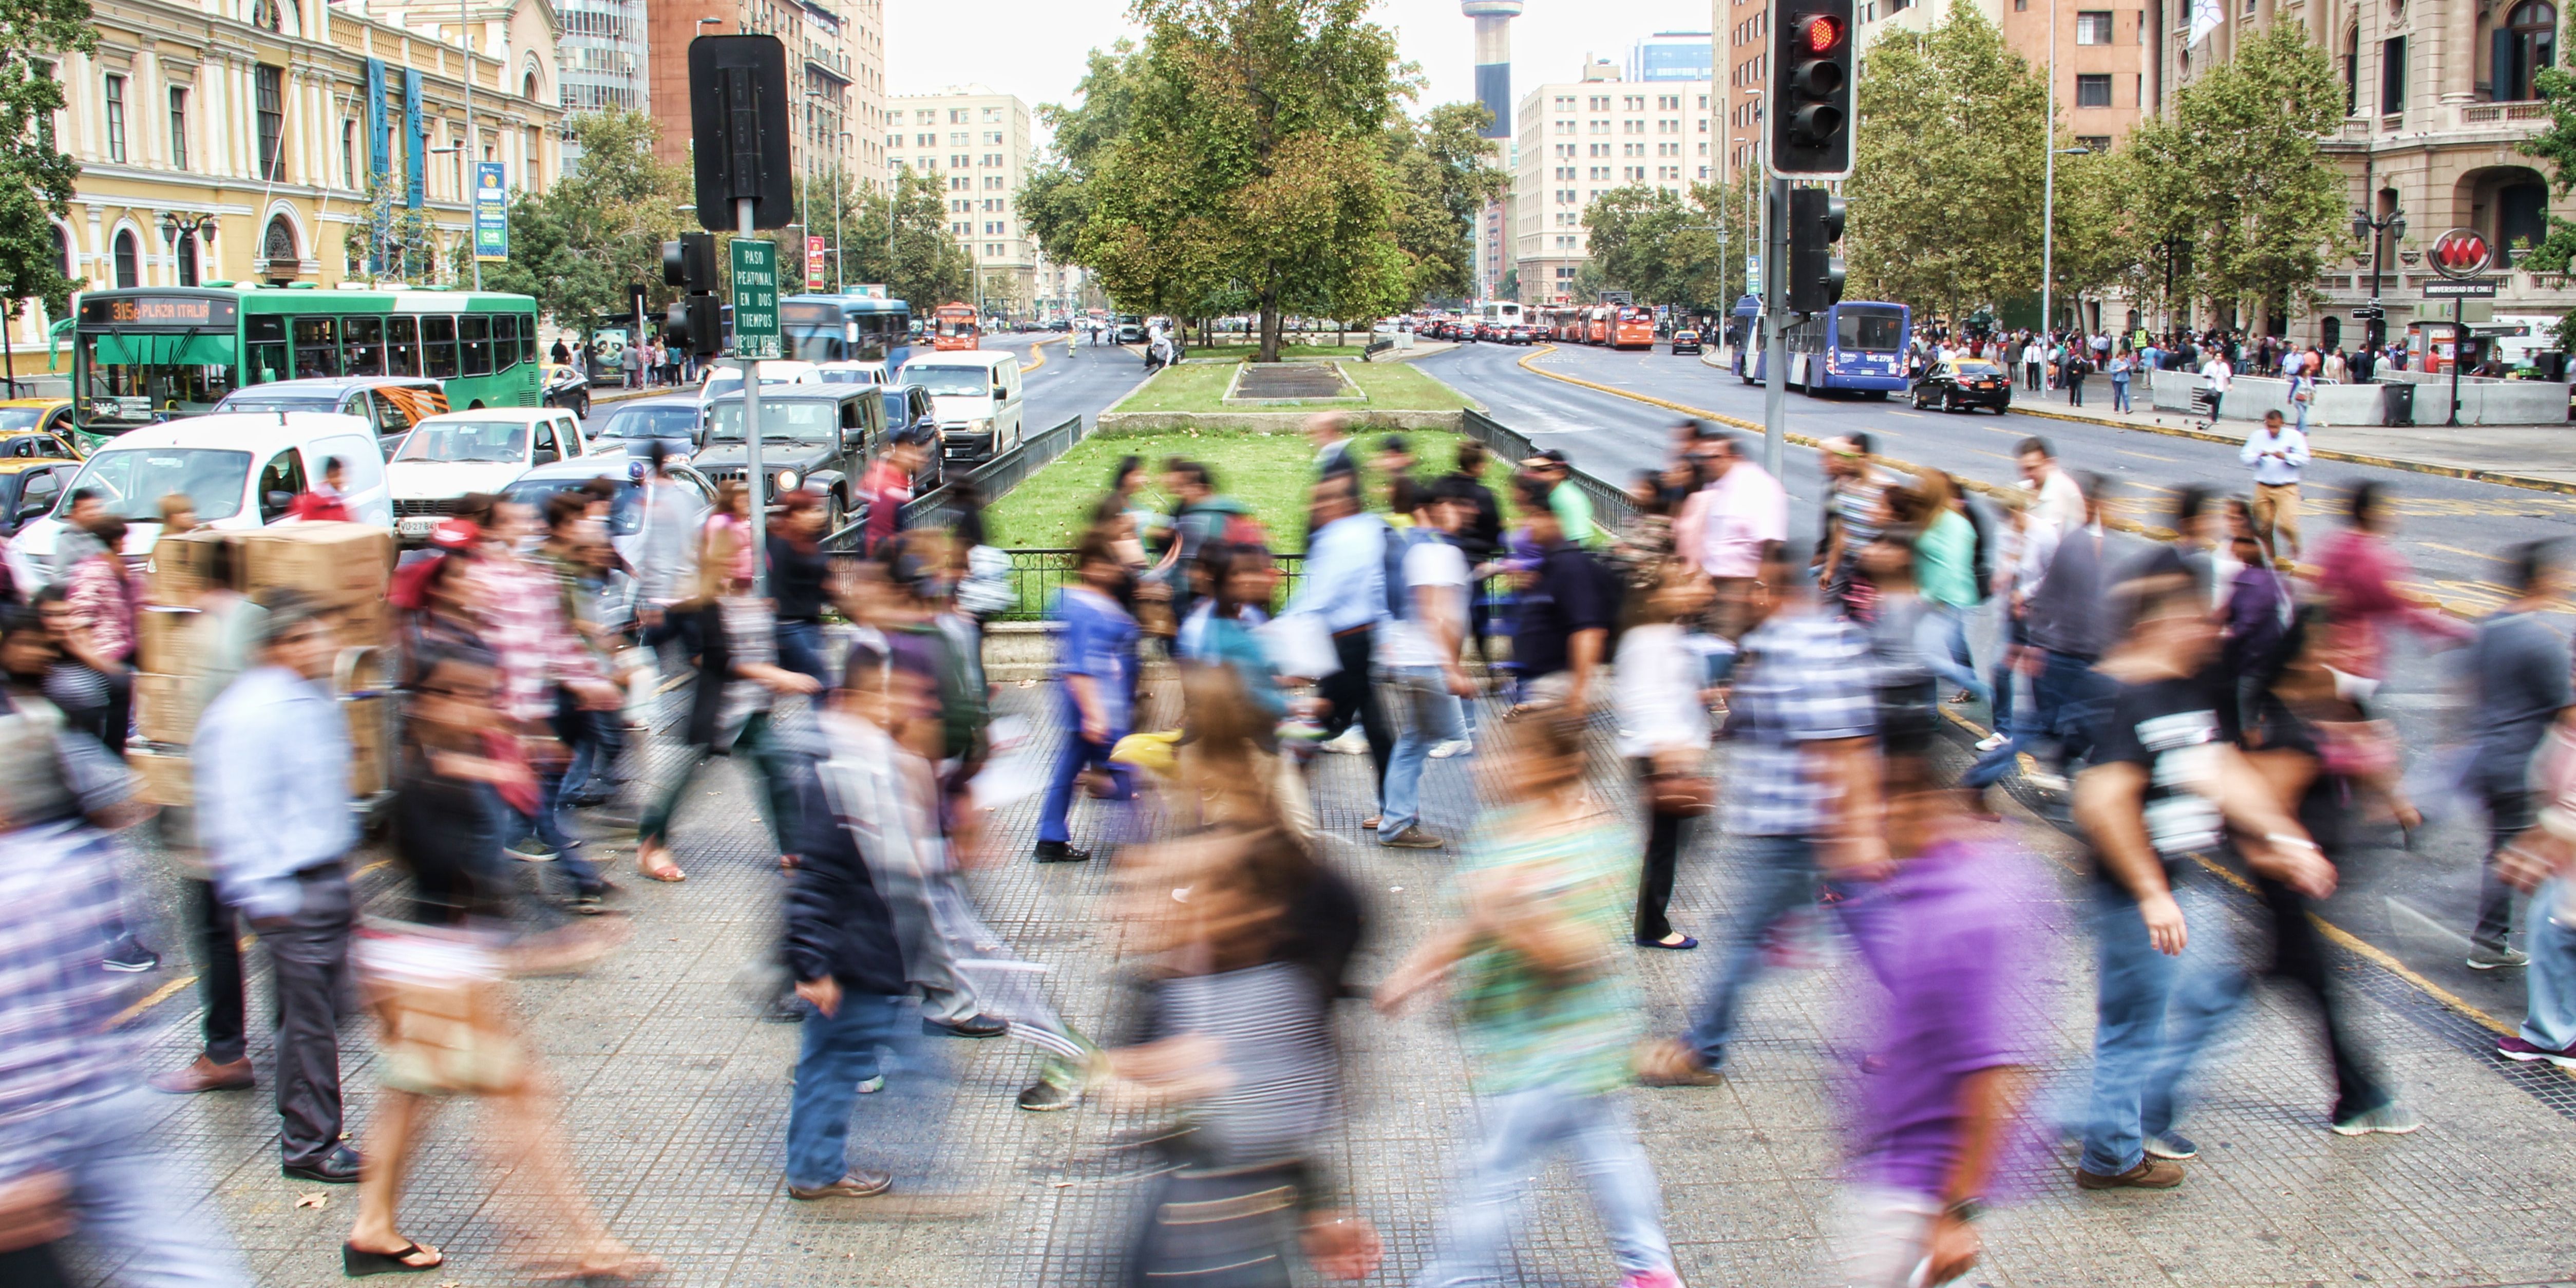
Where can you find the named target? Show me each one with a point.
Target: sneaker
(1453, 747)
(871, 1086)
(857, 1185)
(1412, 838)
(2514, 1048)
(2492, 957)
(1043, 1097)
(2172, 1144)
(1352, 742)
(1652, 1279)
(2149, 1174)
(2045, 781)
(2392, 1118)
(1991, 741)
(531, 850)
(131, 959)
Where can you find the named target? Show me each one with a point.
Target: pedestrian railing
(1612, 508)
(1040, 573)
(993, 478)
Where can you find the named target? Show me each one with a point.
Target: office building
(1671, 55)
(975, 140)
(1578, 139)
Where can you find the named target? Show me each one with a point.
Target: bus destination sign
(159, 311)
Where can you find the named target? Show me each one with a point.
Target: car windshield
(669, 421)
(498, 442)
(625, 513)
(968, 382)
(846, 376)
(802, 420)
(132, 482)
(14, 419)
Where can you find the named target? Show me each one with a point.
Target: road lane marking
(1909, 415)
(2151, 456)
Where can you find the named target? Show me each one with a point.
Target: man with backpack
(1566, 607)
(1418, 648)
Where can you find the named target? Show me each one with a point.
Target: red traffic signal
(1819, 33)
(1809, 110)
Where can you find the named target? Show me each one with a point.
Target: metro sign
(2461, 253)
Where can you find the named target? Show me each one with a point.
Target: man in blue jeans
(1802, 780)
(2164, 785)
(1419, 653)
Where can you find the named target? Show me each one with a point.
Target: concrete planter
(1265, 422)
(1251, 372)
(2483, 400)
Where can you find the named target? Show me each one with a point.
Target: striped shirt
(1802, 678)
(58, 906)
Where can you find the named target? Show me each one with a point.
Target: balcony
(2492, 114)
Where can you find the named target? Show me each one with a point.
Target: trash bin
(2400, 402)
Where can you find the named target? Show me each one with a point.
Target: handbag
(1676, 787)
(443, 1006)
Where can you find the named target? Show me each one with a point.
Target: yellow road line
(152, 999)
(2474, 554)
(2149, 456)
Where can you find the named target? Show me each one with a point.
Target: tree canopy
(580, 246)
(1662, 249)
(36, 177)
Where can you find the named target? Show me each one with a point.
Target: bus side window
(365, 337)
(279, 485)
(474, 332)
(267, 333)
(438, 342)
(317, 346)
(505, 341)
(527, 337)
(402, 340)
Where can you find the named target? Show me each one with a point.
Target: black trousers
(1663, 853)
(1352, 694)
(309, 955)
(219, 971)
(2299, 956)
(2509, 814)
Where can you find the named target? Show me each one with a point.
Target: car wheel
(833, 509)
(1949, 401)
(584, 413)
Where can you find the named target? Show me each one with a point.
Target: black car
(29, 486)
(1958, 384)
(811, 436)
(1685, 342)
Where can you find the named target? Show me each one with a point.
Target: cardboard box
(181, 566)
(365, 624)
(337, 563)
(164, 708)
(165, 641)
(370, 754)
(164, 777)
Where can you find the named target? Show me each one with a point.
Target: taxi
(37, 427)
(29, 486)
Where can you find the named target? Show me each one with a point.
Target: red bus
(1632, 327)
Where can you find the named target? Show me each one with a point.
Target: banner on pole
(491, 212)
(813, 263)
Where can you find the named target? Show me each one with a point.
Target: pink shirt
(1725, 525)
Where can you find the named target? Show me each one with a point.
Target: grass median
(1201, 386)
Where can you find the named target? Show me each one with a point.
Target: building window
(2093, 142)
(1632, 127)
(2392, 76)
(1564, 273)
(2352, 71)
(128, 269)
(2093, 27)
(349, 154)
(957, 116)
(270, 89)
(178, 127)
(1668, 102)
(115, 118)
(2093, 90)
(2526, 44)
(187, 259)
(992, 250)
(992, 114)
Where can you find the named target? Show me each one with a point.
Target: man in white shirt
(2218, 375)
(2059, 501)
(1418, 654)
(2277, 452)
(2032, 356)
(1724, 526)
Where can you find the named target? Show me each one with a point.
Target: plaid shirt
(1803, 678)
(58, 902)
(523, 623)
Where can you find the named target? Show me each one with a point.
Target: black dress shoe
(973, 1026)
(1059, 852)
(339, 1167)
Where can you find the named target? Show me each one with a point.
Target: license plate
(418, 525)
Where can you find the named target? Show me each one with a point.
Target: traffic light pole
(756, 480)
(1775, 340)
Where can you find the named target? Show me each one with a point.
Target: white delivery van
(976, 396)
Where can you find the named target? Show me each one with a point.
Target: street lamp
(2048, 209)
(177, 228)
(2393, 224)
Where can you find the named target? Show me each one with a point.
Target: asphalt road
(2414, 904)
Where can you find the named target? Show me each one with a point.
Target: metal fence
(1039, 573)
(1611, 506)
(993, 478)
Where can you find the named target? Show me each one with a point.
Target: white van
(976, 395)
(242, 469)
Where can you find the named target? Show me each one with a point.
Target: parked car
(29, 486)
(391, 405)
(1958, 384)
(626, 509)
(567, 388)
(447, 456)
(1685, 342)
(241, 470)
(672, 418)
(817, 436)
(38, 427)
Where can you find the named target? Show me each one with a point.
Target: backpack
(1399, 597)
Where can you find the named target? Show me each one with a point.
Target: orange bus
(953, 326)
(1632, 327)
(1596, 324)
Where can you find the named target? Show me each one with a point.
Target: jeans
(2070, 697)
(1941, 639)
(839, 1051)
(2509, 814)
(1079, 753)
(1521, 1129)
(598, 738)
(2153, 1016)
(1780, 877)
(132, 1199)
(1430, 717)
(2119, 393)
(2550, 1018)
(800, 649)
(2074, 391)
(768, 760)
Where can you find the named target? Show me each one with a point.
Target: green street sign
(755, 298)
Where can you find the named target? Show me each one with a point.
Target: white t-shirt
(1436, 564)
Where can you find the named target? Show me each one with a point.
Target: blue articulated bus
(1856, 345)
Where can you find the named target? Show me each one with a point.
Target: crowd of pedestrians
(2202, 706)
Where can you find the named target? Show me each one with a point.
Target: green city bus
(151, 354)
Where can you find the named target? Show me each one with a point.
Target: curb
(2469, 473)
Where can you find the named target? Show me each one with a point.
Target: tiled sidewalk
(677, 1101)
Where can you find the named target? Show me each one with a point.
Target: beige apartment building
(1574, 140)
(835, 67)
(976, 141)
(268, 121)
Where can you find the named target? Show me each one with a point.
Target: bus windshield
(802, 420)
(134, 374)
(131, 483)
(1868, 330)
(491, 442)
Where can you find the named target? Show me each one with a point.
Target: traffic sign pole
(755, 479)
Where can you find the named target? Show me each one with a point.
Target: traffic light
(690, 263)
(739, 130)
(697, 322)
(1811, 90)
(1815, 272)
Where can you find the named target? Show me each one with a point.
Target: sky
(1036, 48)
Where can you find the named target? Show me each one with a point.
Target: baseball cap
(456, 534)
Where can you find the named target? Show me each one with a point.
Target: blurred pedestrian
(102, 628)
(888, 484)
(1345, 591)
(272, 773)
(1572, 506)
(1542, 901)
(1567, 603)
(2519, 666)
(1664, 733)
(1724, 528)
(798, 571)
(2360, 574)
(1419, 649)
(1095, 660)
(545, 666)
(325, 501)
(1855, 508)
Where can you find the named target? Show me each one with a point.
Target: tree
(397, 242)
(1055, 200)
(1251, 165)
(901, 238)
(1650, 242)
(2556, 147)
(2235, 173)
(36, 178)
(1443, 173)
(583, 245)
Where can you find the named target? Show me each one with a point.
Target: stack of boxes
(347, 566)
